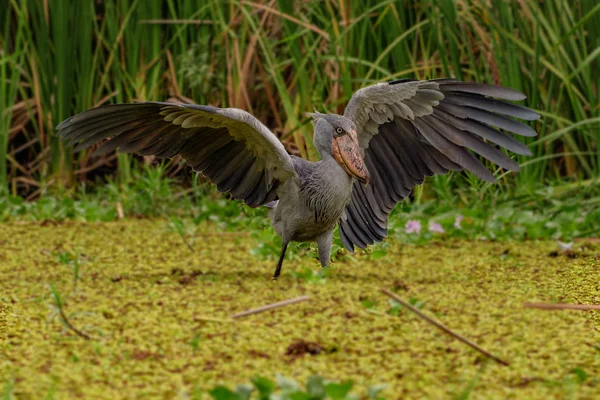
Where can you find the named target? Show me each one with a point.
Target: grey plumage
(391, 136)
(208, 139)
(452, 120)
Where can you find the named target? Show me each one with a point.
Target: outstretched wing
(412, 129)
(229, 146)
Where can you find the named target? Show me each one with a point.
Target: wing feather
(229, 146)
(234, 172)
(411, 129)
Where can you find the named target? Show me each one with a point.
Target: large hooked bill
(347, 153)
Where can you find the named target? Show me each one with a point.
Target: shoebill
(392, 135)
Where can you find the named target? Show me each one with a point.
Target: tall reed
(12, 50)
(280, 59)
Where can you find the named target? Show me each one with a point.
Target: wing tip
(62, 125)
(526, 131)
(489, 178)
(518, 96)
(534, 115)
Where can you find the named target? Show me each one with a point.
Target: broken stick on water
(443, 327)
(550, 306)
(271, 306)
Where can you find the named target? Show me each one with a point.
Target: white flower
(564, 246)
(458, 220)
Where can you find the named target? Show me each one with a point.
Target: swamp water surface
(159, 315)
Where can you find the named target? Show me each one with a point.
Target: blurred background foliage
(279, 59)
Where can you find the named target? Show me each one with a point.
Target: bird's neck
(333, 171)
(329, 161)
(323, 152)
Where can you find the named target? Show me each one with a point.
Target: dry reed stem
(443, 327)
(271, 306)
(177, 21)
(546, 306)
(306, 25)
(71, 327)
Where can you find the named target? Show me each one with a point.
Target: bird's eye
(339, 130)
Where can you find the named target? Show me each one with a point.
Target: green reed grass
(282, 59)
(11, 55)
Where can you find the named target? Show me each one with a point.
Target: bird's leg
(280, 262)
(324, 242)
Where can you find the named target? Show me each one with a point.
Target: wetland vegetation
(119, 274)
(158, 315)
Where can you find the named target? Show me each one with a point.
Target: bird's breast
(313, 205)
(326, 201)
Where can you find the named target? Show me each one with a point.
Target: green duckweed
(159, 316)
